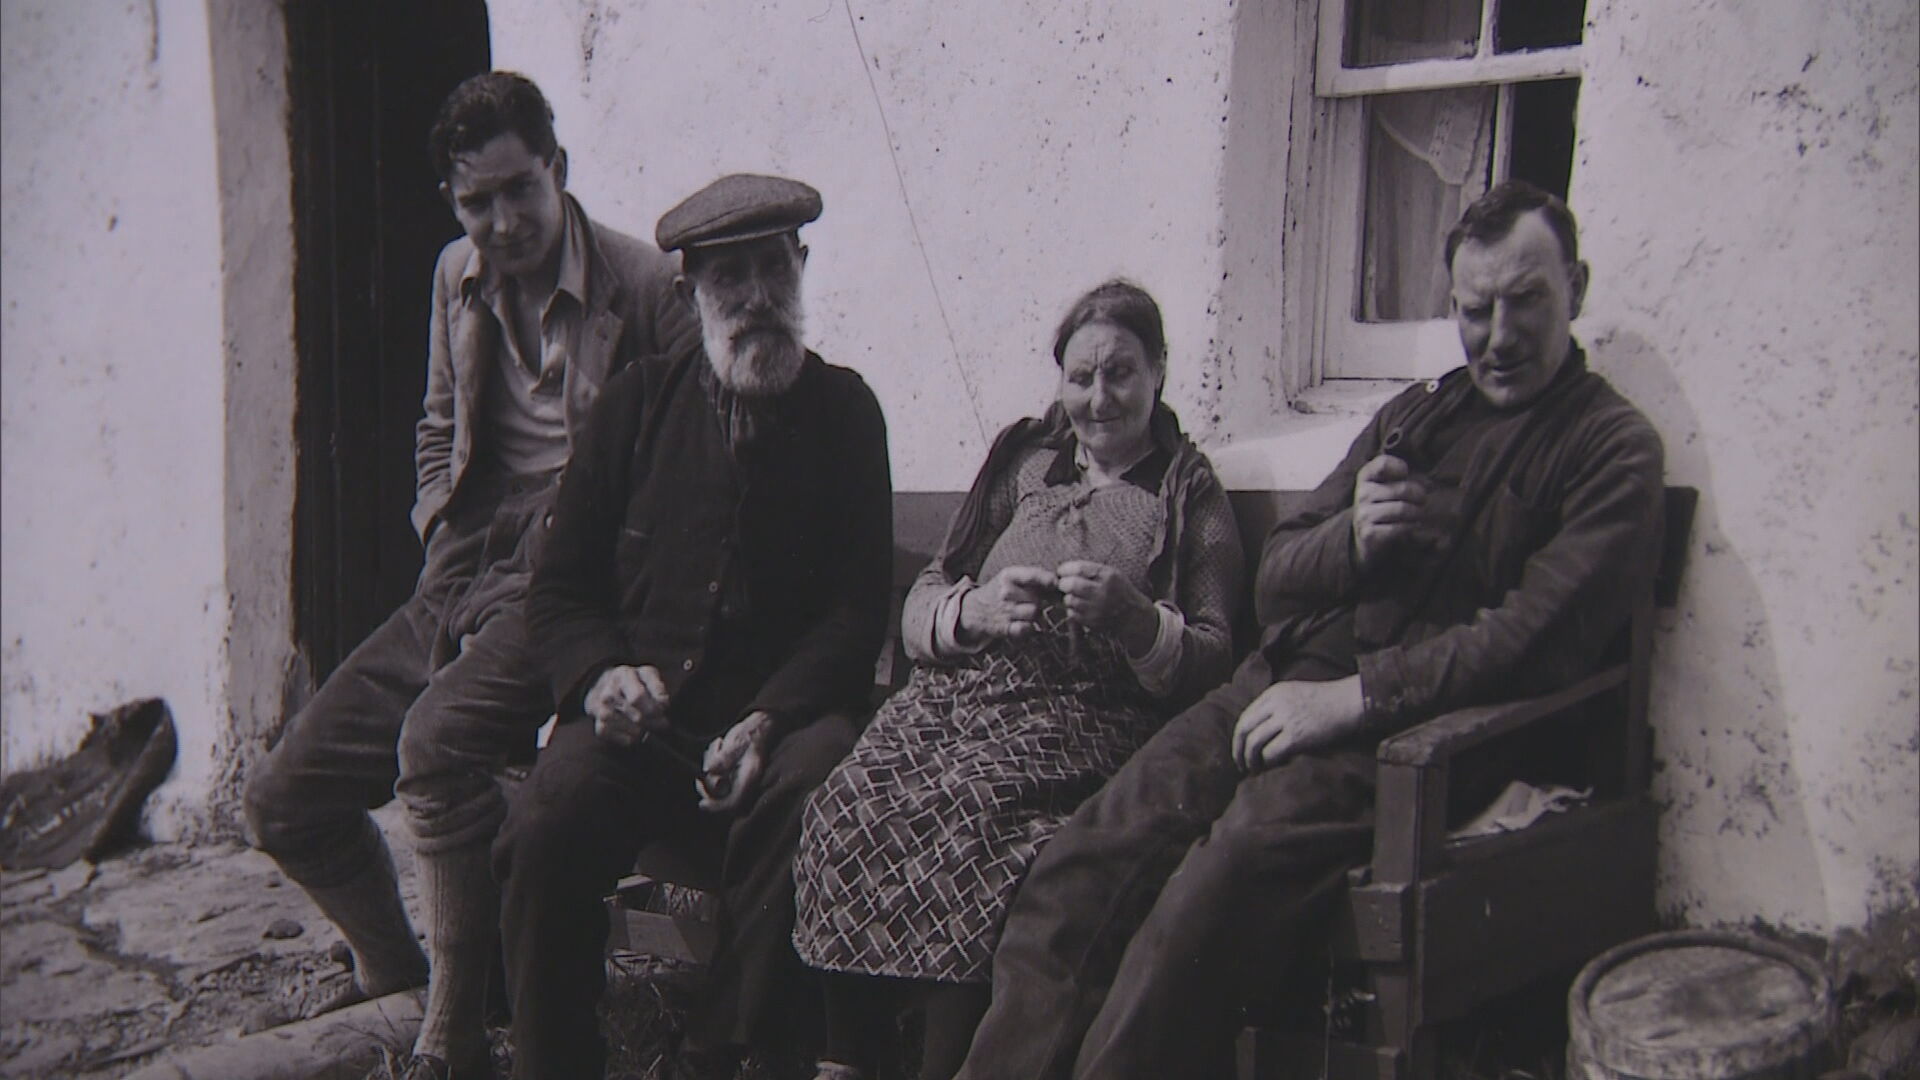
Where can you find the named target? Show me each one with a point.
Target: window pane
(1429, 154)
(1538, 24)
(1390, 31)
(1542, 133)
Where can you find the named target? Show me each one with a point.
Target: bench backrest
(920, 521)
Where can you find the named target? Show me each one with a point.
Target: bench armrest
(1436, 741)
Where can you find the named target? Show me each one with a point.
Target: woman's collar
(1071, 461)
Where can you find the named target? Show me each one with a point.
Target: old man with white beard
(710, 602)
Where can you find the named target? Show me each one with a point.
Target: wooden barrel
(1699, 1005)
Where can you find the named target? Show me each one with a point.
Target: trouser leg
(478, 712)
(307, 801)
(763, 995)
(860, 1015)
(1231, 916)
(570, 833)
(862, 1011)
(953, 1012)
(1094, 882)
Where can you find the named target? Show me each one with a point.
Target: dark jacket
(757, 584)
(1560, 519)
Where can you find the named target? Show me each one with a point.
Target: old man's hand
(625, 702)
(734, 762)
(1289, 718)
(1008, 604)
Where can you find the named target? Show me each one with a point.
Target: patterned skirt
(912, 849)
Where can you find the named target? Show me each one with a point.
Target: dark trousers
(398, 710)
(574, 829)
(1171, 898)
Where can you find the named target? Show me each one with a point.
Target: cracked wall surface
(1747, 175)
(112, 574)
(146, 400)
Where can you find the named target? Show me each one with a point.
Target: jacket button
(686, 665)
(713, 586)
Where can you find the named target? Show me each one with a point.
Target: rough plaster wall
(1263, 111)
(112, 576)
(1042, 147)
(1746, 173)
(256, 229)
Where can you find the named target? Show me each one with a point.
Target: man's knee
(1172, 787)
(559, 806)
(448, 751)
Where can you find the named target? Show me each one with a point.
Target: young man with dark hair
(534, 309)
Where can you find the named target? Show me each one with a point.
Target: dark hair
(486, 106)
(1491, 217)
(1123, 304)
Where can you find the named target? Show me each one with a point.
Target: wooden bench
(1432, 927)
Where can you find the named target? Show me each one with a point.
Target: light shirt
(524, 404)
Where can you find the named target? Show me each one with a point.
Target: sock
(463, 911)
(368, 911)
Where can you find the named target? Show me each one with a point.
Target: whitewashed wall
(144, 553)
(1040, 148)
(1747, 172)
(1746, 177)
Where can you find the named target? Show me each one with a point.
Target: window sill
(1349, 397)
(1306, 442)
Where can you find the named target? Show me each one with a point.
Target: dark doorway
(365, 78)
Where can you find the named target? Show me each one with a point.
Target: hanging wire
(966, 378)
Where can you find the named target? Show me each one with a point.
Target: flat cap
(738, 207)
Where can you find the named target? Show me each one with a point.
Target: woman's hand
(1007, 605)
(1101, 598)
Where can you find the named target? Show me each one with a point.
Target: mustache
(771, 322)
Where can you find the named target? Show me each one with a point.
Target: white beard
(761, 362)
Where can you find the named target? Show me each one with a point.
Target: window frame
(1341, 346)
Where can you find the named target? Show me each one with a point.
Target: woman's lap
(913, 847)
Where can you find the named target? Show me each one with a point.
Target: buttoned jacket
(751, 581)
(631, 311)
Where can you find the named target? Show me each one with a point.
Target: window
(1422, 105)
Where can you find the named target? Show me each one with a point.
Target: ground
(176, 946)
(167, 945)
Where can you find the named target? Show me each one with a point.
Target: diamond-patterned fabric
(912, 849)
